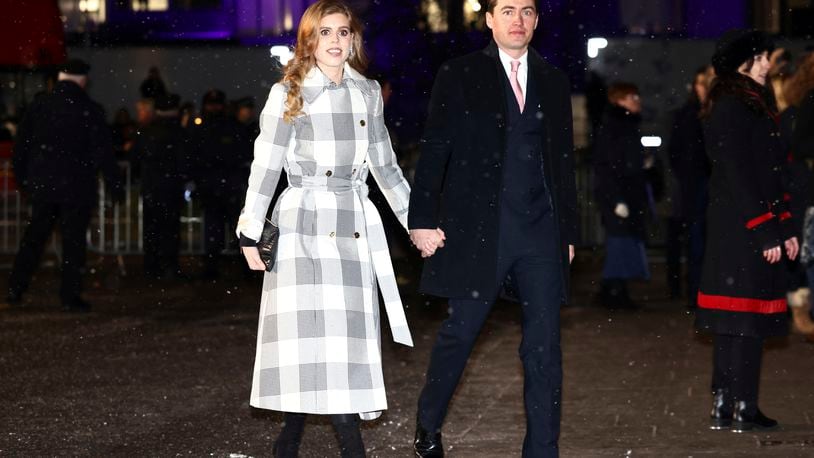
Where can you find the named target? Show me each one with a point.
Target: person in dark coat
(218, 174)
(621, 190)
(496, 176)
(742, 296)
(799, 92)
(153, 86)
(61, 145)
(690, 167)
(159, 148)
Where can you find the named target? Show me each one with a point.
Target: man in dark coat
(214, 163)
(61, 145)
(496, 177)
(159, 148)
(691, 169)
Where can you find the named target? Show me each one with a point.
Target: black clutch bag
(267, 245)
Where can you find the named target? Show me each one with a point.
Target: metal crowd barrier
(117, 228)
(114, 228)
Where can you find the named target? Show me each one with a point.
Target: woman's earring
(350, 54)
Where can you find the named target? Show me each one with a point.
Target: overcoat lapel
(495, 83)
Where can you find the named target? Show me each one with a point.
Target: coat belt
(377, 244)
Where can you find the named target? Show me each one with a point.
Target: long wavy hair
(307, 38)
(801, 82)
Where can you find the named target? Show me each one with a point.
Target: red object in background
(31, 33)
(7, 182)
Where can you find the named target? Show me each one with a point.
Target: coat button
(362, 123)
(328, 173)
(356, 235)
(332, 234)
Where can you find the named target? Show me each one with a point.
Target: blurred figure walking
(742, 296)
(217, 172)
(621, 190)
(159, 148)
(62, 143)
(691, 169)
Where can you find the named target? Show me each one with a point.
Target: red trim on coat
(784, 216)
(755, 222)
(741, 304)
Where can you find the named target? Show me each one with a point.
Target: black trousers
(162, 213)
(736, 365)
(73, 226)
(538, 282)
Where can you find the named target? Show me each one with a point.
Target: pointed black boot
(747, 417)
(288, 442)
(427, 444)
(721, 415)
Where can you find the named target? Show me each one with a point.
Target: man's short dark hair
(490, 7)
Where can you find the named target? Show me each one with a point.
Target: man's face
(513, 23)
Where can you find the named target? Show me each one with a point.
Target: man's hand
(570, 254)
(427, 240)
(252, 255)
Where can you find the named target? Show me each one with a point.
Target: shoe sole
(717, 424)
(742, 428)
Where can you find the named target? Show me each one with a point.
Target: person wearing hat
(158, 149)
(62, 144)
(215, 167)
(742, 296)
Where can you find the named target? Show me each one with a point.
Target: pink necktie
(518, 93)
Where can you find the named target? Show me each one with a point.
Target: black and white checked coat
(318, 342)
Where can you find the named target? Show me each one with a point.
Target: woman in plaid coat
(318, 342)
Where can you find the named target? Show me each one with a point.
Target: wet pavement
(165, 370)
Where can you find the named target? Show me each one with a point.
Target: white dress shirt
(522, 70)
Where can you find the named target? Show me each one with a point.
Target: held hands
(621, 210)
(252, 255)
(773, 255)
(427, 240)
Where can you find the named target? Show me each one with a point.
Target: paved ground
(164, 370)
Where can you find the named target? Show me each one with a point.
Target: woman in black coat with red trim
(742, 297)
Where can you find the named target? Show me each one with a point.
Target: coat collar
(316, 82)
(538, 72)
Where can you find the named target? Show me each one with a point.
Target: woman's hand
(772, 255)
(792, 248)
(252, 255)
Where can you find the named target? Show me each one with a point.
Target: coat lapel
(495, 82)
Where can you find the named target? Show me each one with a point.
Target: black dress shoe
(748, 417)
(721, 415)
(76, 306)
(427, 444)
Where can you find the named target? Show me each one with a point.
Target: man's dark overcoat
(459, 177)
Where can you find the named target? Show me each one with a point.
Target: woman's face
(335, 38)
(759, 70)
